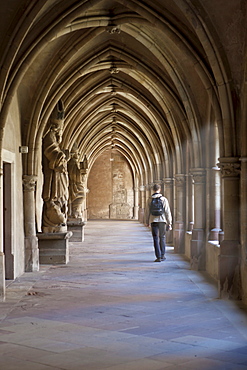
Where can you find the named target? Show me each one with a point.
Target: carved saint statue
(77, 190)
(55, 189)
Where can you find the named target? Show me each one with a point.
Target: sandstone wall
(110, 185)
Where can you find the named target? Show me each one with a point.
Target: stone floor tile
(22, 352)
(49, 345)
(208, 364)
(143, 364)
(209, 342)
(112, 308)
(230, 356)
(11, 363)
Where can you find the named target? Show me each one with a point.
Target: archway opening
(111, 187)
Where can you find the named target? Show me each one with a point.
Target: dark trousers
(159, 238)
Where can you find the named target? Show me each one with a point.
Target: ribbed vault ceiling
(132, 75)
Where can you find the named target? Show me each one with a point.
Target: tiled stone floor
(113, 308)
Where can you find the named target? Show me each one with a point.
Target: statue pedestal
(76, 226)
(54, 248)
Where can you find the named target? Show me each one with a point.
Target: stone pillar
(136, 201)
(31, 240)
(214, 203)
(229, 283)
(2, 275)
(168, 193)
(142, 204)
(197, 246)
(190, 203)
(180, 197)
(2, 256)
(244, 227)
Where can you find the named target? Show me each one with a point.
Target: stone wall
(110, 185)
(14, 248)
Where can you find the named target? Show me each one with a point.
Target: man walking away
(158, 214)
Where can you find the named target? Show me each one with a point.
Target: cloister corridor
(112, 308)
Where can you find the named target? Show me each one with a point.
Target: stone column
(2, 256)
(197, 246)
(2, 275)
(180, 197)
(142, 204)
(31, 240)
(148, 192)
(168, 193)
(190, 203)
(229, 259)
(244, 227)
(136, 201)
(214, 203)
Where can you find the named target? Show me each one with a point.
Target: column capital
(29, 182)
(229, 166)
(198, 175)
(168, 181)
(180, 179)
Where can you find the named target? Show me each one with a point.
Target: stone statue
(77, 190)
(55, 189)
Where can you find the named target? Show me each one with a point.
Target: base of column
(77, 228)
(54, 248)
(229, 283)
(2, 275)
(169, 237)
(214, 234)
(141, 215)
(31, 254)
(197, 250)
(178, 235)
(136, 210)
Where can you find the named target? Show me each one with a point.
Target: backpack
(156, 206)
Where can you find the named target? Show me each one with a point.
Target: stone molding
(114, 70)
(198, 175)
(168, 181)
(29, 182)
(229, 166)
(113, 29)
(180, 180)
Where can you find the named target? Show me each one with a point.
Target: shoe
(163, 258)
(158, 260)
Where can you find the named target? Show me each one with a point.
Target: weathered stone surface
(111, 188)
(77, 187)
(77, 229)
(55, 189)
(54, 248)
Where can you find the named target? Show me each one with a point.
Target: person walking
(158, 214)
